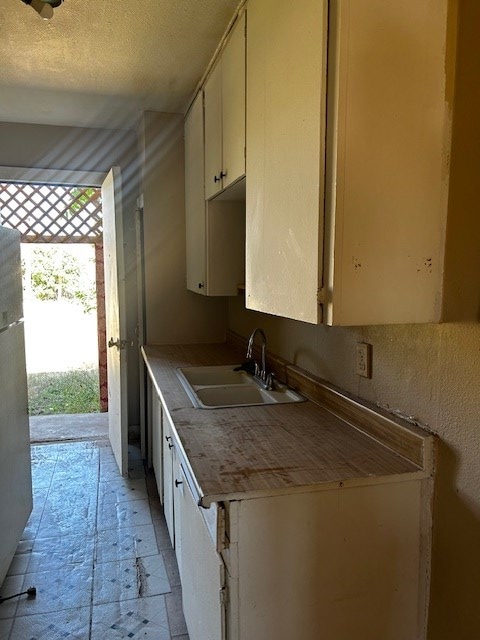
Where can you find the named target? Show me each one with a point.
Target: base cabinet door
(157, 452)
(201, 569)
(168, 465)
(332, 565)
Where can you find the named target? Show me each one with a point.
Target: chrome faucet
(260, 373)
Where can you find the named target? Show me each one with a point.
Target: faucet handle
(270, 382)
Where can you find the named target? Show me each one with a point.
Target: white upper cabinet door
(286, 68)
(390, 109)
(195, 197)
(225, 115)
(213, 132)
(233, 105)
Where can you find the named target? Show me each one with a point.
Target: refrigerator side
(15, 463)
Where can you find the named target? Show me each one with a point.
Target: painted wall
(173, 314)
(79, 149)
(430, 372)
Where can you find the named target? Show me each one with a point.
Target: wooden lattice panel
(52, 213)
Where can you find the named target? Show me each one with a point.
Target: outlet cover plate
(363, 359)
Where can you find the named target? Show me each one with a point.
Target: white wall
(173, 314)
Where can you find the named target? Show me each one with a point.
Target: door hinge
(224, 596)
(222, 536)
(120, 344)
(321, 296)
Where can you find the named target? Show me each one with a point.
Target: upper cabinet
(224, 93)
(348, 141)
(286, 64)
(346, 206)
(390, 89)
(195, 197)
(215, 230)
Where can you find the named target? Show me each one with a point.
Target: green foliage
(57, 273)
(65, 392)
(81, 198)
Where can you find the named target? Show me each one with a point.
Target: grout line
(95, 540)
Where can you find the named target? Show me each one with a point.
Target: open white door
(115, 317)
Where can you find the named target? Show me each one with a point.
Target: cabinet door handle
(200, 285)
(217, 178)
(223, 174)
(168, 438)
(177, 482)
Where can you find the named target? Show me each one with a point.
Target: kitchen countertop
(246, 452)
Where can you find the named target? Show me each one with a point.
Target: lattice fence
(52, 213)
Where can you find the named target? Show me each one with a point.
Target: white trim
(52, 176)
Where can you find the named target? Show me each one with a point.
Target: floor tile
(72, 624)
(43, 454)
(129, 542)
(128, 579)
(54, 553)
(11, 585)
(65, 478)
(42, 476)
(122, 489)
(156, 509)
(5, 627)
(73, 559)
(162, 535)
(68, 513)
(171, 566)
(39, 500)
(176, 619)
(142, 618)
(21, 559)
(151, 486)
(67, 588)
(123, 514)
(108, 471)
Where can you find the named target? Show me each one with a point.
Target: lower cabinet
(330, 565)
(202, 571)
(340, 563)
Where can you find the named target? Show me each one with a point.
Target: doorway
(64, 306)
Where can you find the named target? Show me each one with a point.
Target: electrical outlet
(363, 359)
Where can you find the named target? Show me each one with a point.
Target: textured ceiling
(100, 63)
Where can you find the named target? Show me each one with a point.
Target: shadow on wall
(456, 534)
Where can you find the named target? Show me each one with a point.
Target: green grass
(65, 392)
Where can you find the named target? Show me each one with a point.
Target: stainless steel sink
(214, 387)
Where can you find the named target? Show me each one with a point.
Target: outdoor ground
(62, 357)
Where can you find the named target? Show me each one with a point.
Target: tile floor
(97, 549)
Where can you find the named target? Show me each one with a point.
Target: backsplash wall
(429, 372)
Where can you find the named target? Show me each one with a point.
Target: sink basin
(216, 375)
(215, 387)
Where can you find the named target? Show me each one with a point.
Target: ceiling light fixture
(44, 7)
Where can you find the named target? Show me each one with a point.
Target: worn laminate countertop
(239, 453)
